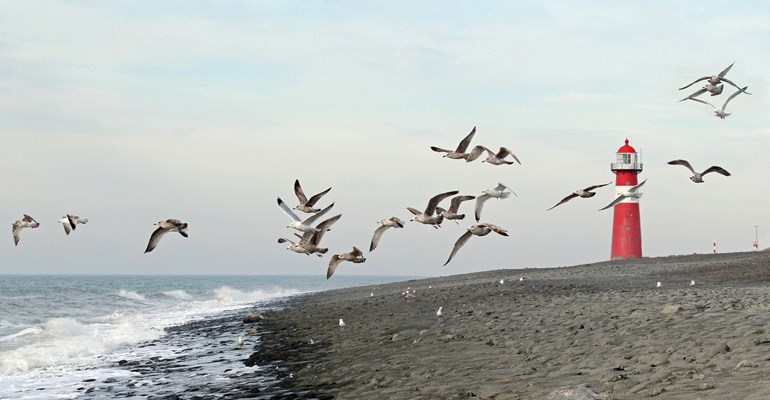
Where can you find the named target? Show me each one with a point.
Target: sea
(110, 336)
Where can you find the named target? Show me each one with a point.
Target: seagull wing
(465, 142)
(414, 211)
(316, 197)
(505, 151)
(377, 235)
(333, 263)
(458, 244)
(155, 238)
(480, 204)
(455, 205)
(357, 252)
(66, 224)
(732, 96)
(731, 82)
(323, 227)
(284, 240)
(476, 152)
(701, 101)
(725, 71)
(716, 169)
(16, 234)
(590, 188)
(685, 163)
(635, 188)
(433, 202)
(439, 149)
(298, 191)
(497, 229)
(616, 201)
(288, 211)
(313, 218)
(564, 200)
(72, 220)
(696, 94)
(693, 82)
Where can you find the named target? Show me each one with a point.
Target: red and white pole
(626, 225)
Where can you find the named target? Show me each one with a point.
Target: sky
(128, 113)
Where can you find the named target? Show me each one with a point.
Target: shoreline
(601, 328)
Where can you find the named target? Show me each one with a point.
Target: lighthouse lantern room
(626, 226)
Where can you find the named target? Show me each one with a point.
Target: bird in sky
(69, 222)
(454, 206)
(632, 192)
(498, 192)
(697, 177)
(720, 112)
(165, 226)
(385, 224)
(306, 205)
(712, 83)
(299, 224)
(583, 193)
(309, 242)
(459, 153)
(25, 222)
(427, 217)
(477, 230)
(492, 157)
(355, 256)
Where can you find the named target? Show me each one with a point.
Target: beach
(603, 331)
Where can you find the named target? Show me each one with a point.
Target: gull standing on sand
(697, 177)
(426, 217)
(239, 343)
(633, 192)
(306, 205)
(169, 225)
(502, 281)
(454, 206)
(309, 241)
(583, 193)
(492, 158)
(712, 84)
(720, 112)
(459, 153)
(440, 314)
(355, 256)
(658, 285)
(692, 283)
(25, 222)
(478, 230)
(392, 222)
(300, 224)
(498, 192)
(69, 222)
(342, 324)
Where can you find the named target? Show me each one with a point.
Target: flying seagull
(24, 222)
(492, 158)
(451, 213)
(305, 204)
(69, 222)
(478, 230)
(583, 193)
(712, 83)
(354, 256)
(498, 192)
(720, 112)
(426, 217)
(632, 192)
(300, 224)
(169, 225)
(697, 177)
(458, 153)
(309, 241)
(392, 222)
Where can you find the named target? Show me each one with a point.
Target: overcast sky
(131, 112)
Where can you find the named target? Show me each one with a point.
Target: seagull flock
(312, 230)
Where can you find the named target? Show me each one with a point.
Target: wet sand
(601, 328)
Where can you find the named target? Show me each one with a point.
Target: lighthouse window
(625, 158)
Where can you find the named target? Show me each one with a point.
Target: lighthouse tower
(626, 228)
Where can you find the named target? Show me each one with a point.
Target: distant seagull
(633, 192)
(440, 314)
(478, 230)
(306, 205)
(713, 83)
(583, 193)
(355, 256)
(521, 279)
(498, 192)
(720, 112)
(692, 283)
(69, 222)
(371, 294)
(658, 285)
(426, 217)
(240, 342)
(342, 323)
(309, 242)
(454, 206)
(391, 222)
(502, 281)
(698, 176)
(24, 222)
(169, 225)
(492, 157)
(459, 153)
(300, 224)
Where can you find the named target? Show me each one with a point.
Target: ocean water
(63, 336)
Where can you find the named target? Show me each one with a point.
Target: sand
(603, 330)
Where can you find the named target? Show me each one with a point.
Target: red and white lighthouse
(626, 228)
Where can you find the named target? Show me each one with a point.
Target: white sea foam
(178, 294)
(230, 295)
(129, 294)
(27, 331)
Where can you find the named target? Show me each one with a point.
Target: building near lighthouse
(626, 225)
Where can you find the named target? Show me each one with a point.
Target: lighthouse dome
(626, 148)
